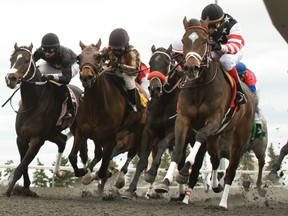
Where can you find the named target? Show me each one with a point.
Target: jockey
(125, 60)
(226, 41)
(142, 79)
(177, 48)
(249, 78)
(59, 65)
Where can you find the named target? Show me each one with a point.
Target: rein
(186, 83)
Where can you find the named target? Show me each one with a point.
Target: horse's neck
(98, 95)
(33, 95)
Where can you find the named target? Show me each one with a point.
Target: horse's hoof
(163, 187)
(262, 192)
(61, 174)
(272, 176)
(181, 179)
(87, 179)
(149, 178)
(127, 195)
(218, 189)
(119, 184)
(80, 173)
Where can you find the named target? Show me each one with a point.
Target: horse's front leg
(78, 143)
(163, 144)
(28, 151)
(181, 127)
(60, 141)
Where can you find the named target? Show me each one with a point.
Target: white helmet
(177, 46)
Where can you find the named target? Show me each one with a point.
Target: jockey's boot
(132, 99)
(258, 130)
(65, 97)
(240, 97)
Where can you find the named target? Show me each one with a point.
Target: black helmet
(214, 12)
(118, 38)
(50, 40)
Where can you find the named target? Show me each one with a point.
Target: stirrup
(134, 108)
(240, 98)
(67, 115)
(258, 130)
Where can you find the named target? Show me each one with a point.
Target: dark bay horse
(203, 101)
(158, 134)
(37, 115)
(102, 114)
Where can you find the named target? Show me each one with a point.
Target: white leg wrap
(170, 172)
(193, 153)
(187, 196)
(223, 202)
(57, 162)
(214, 181)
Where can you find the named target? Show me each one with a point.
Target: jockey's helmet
(118, 38)
(177, 46)
(241, 68)
(50, 41)
(213, 12)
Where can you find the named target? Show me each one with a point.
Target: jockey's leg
(131, 89)
(65, 97)
(240, 97)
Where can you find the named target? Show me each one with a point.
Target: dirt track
(68, 201)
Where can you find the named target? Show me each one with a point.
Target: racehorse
(37, 115)
(159, 129)
(203, 102)
(102, 114)
(273, 173)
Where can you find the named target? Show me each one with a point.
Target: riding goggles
(215, 25)
(50, 51)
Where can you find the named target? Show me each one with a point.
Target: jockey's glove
(215, 46)
(46, 78)
(113, 64)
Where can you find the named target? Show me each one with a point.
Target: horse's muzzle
(11, 80)
(192, 71)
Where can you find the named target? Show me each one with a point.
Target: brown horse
(202, 104)
(102, 114)
(37, 115)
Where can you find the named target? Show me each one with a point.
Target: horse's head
(195, 46)
(90, 63)
(22, 66)
(160, 65)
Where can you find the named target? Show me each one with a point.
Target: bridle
(202, 60)
(31, 63)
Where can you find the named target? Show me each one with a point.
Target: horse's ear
(30, 47)
(153, 49)
(185, 22)
(169, 50)
(81, 45)
(16, 46)
(98, 44)
(205, 23)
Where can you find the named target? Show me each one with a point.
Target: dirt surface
(85, 201)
